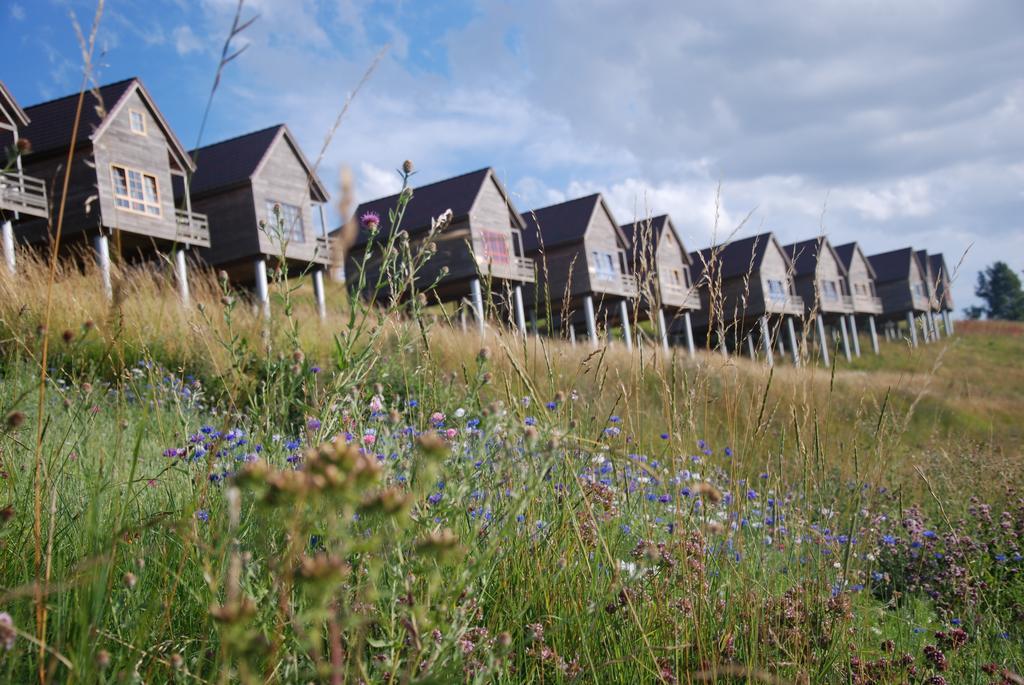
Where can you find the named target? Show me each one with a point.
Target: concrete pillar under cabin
(766, 336)
(318, 293)
(627, 333)
(949, 322)
(662, 329)
(588, 311)
(689, 335)
(572, 335)
(262, 286)
(517, 294)
(8, 241)
(912, 324)
(934, 324)
(722, 345)
(822, 340)
(874, 333)
(478, 302)
(101, 244)
(794, 348)
(750, 346)
(854, 337)
(181, 273)
(846, 339)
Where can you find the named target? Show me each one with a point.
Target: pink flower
(376, 404)
(437, 417)
(369, 440)
(451, 433)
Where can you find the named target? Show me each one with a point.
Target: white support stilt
(102, 246)
(846, 339)
(462, 317)
(262, 286)
(766, 338)
(533, 321)
(478, 302)
(874, 333)
(794, 348)
(912, 323)
(949, 322)
(588, 310)
(690, 347)
(318, 293)
(935, 324)
(854, 336)
(627, 332)
(663, 329)
(572, 335)
(8, 240)
(822, 341)
(181, 272)
(750, 346)
(780, 344)
(722, 345)
(517, 294)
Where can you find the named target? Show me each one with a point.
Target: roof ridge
(236, 138)
(79, 92)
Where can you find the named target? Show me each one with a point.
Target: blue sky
(891, 123)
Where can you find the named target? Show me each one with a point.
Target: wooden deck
(23, 194)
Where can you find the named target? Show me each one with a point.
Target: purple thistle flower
(370, 220)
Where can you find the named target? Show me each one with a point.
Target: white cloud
(185, 41)
(17, 12)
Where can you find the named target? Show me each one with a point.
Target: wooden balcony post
(318, 292)
(478, 302)
(181, 273)
(520, 311)
(794, 348)
(627, 333)
(912, 323)
(949, 322)
(846, 339)
(262, 287)
(588, 310)
(689, 335)
(874, 333)
(663, 329)
(8, 239)
(102, 246)
(766, 335)
(853, 334)
(822, 342)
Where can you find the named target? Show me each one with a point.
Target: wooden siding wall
(234, 234)
(602, 234)
(282, 179)
(80, 214)
(148, 153)
(671, 257)
(554, 265)
(859, 274)
(809, 286)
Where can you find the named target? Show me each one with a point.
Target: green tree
(999, 287)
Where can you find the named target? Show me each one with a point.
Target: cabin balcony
(613, 284)
(866, 304)
(784, 304)
(192, 228)
(920, 303)
(680, 296)
(23, 194)
(513, 268)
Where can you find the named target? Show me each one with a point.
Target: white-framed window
(496, 247)
(776, 290)
(135, 191)
(676, 277)
(291, 226)
(829, 291)
(137, 121)
(605, 264)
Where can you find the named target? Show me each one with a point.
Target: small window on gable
(137, 121)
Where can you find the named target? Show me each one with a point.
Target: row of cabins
(254, 202)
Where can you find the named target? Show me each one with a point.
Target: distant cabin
(860, 279)
(819, 277)
(657, 255)
(21, 196)
(583, 264)
(900, 281)
(929, 277)
(238, 183)
(483, 243)
(125, 158)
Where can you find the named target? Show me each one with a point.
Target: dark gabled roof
(561, 224)
(10, 105)
(892, 266)
(657, 225)
(51, 123)
(938, 264)
(845, 253)
(234, 161)
(734, 259)
(457, 193)
(923, 262)
(804, 255)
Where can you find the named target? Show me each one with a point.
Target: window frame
(142, 118)
(612, 271)
(289, 230)
(129, 198)
(491, 237)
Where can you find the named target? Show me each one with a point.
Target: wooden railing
(23, 194)
(618, 283)
(868, 303)
(793, 304)
(192, 228)
(680, 296)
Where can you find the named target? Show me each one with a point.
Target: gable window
(828, 289)
(776, 290)
(686, 276)
(496, 247)
(605, 264)
(290, 226)
(677, 277)
(135, 191)
(137, 121)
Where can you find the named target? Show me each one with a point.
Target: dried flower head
(708, 492)
(407, 166)
(15, 419)
(484, 354)
(24, 146)
(68, 335)
(103, 659)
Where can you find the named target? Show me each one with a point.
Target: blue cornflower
(552, 405)
(614, 419)
(203, 515)
(520, 518)
(315, 369)
(664, 436)
(751, 494)
(413, 403)
(530, 421)
(435, 498)
(313, 424)
(930, 534)
(728, 451)
(889, 539)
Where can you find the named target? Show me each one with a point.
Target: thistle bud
(15, 419)
(407, 166)
(24, 146)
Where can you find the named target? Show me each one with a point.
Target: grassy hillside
(207, 497)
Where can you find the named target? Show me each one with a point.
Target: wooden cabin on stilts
(820, 280)
(900, 283)
(860, 283)
(21, 196)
